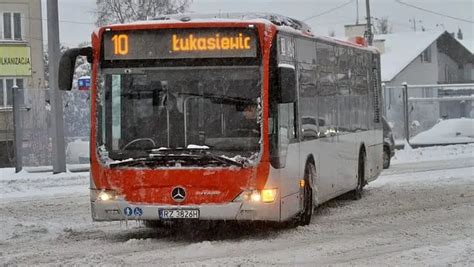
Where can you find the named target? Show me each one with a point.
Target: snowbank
(435, 153)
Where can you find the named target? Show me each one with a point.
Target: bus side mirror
(287, 84)
(67, 65)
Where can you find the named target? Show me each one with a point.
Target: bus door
(286, 147)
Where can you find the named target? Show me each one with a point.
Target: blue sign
(84, 83)
(138, 211)
(128, 211)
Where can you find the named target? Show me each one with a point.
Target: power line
(64, 21)
(434, 12)
(45, 42)
(329, 10)
(45, 19)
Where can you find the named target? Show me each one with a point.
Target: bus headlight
(265, 195)
(106, 195)
(255, 196)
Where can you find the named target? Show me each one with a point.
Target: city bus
(236, 119)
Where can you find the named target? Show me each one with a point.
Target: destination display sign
(180, 44)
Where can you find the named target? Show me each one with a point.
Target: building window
(426, 55)
(12, 26)
(6, 97)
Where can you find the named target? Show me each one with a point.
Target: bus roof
(281, 22)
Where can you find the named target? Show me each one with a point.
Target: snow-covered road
(419, 212)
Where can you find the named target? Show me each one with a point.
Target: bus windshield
(151, 109)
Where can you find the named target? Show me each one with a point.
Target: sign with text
(180, 44)
(15, 61)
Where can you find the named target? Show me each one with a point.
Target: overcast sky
(77, 17)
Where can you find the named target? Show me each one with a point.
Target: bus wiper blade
(168, 151)
(127, 162)
(222, 98)
(133, 162)
(224, 160)
(202, 152)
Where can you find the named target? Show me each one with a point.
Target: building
(424, 58)
(21, 61)
(430, 58)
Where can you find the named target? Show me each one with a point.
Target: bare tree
(460, 34)
(382, 26)
(122, 11)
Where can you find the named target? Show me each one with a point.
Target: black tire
(305, 217)
(386, 157)
(356, 194)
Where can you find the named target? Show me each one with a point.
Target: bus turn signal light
(302, 183)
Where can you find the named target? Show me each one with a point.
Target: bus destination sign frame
(180, 44)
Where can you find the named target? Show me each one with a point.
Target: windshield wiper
(223, 99)
(202, 152)
(176, 157)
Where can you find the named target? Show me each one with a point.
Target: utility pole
(18, 102)
(357, 11)
(369, 35)
(57, 124)
(414, 23)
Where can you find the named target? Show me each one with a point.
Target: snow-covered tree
(382, 26)
(122, 11)
(62, 48)
(82, 67)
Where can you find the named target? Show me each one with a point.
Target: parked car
(77, 152)
(388, 144)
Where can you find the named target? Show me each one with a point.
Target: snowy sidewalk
(25, 184)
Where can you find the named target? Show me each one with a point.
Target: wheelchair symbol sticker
(138, 211)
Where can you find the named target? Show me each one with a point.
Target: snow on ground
(24, 184)
(420, 212)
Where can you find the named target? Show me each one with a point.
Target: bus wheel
(307, 213)
(356, 194)
(386, 157)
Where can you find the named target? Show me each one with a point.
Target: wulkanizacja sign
(15, 61)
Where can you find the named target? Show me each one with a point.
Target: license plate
(178, 213)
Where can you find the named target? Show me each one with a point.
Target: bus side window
(286, 130)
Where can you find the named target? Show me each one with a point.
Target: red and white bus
(247, 119)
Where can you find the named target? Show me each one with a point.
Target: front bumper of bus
(118, 210)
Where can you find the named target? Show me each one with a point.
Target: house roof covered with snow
(401, 49)
(404, 47)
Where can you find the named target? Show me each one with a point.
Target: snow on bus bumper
(117, 210)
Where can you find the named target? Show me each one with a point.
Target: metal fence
(412, 109)
(33, 127)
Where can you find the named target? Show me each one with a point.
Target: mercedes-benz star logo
(178, 194)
